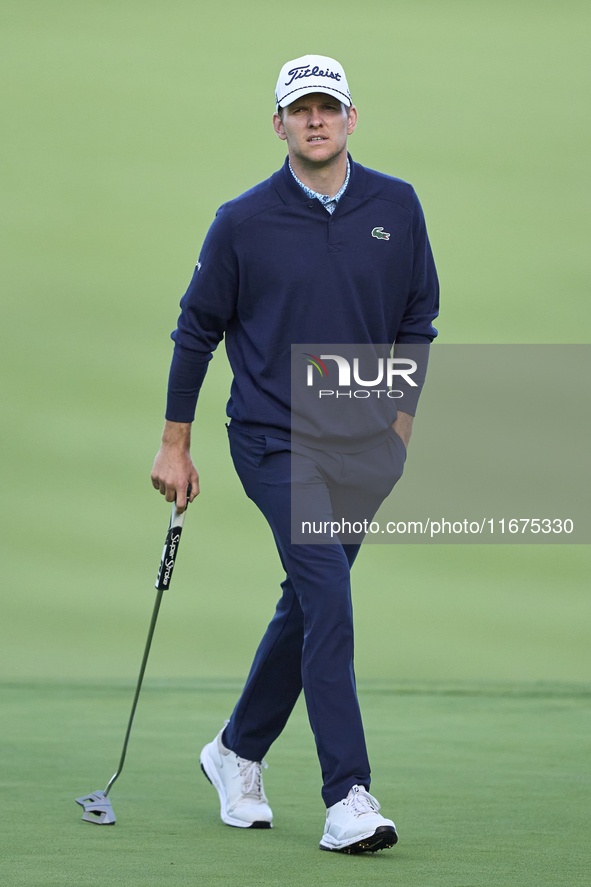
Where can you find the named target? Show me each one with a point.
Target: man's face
(315, 127)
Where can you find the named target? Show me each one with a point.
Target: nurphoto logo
(387, 369)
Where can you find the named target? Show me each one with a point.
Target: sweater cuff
(187, 372)
(417, 352)
(413, 339)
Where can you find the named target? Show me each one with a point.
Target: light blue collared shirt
(329, 203)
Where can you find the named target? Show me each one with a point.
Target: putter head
(97, 809)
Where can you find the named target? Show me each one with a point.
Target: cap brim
(306, 90)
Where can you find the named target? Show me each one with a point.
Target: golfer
(324, 250)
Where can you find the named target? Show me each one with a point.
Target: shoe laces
(360, 801)
(251, 776)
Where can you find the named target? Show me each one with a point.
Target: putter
(97, 806)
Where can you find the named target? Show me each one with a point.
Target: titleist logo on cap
(307, 71)
(311, 73)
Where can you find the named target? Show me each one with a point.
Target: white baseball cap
(311, 73)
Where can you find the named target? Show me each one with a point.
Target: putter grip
(171, 547)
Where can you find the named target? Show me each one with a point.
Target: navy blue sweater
(276, 269)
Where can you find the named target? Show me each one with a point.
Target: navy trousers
(309, 642)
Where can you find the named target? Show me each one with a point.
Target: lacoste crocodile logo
(380, 234)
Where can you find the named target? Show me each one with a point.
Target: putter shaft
(117, 773)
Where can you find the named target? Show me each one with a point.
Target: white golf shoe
(239, 784)
(354, 825)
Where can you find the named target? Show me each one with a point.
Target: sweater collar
(290, 192)
(329, 203)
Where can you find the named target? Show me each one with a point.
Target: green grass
(126, 124)
(488, 784)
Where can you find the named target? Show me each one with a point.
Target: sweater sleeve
(422, 306)
(416, 331)
(206, 309)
